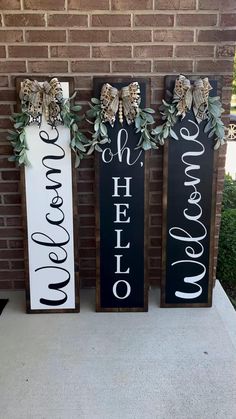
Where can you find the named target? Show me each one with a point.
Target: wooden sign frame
(99, 308)
(169, 83)
(76, 309)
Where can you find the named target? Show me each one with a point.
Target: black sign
(188, 214)
(120, 218)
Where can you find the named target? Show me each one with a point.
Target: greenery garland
(78, 143)
(214, 125)
(143, 121)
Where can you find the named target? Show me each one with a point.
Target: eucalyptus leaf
(149, 110)
(95, 100)
(77, 161)
(173, 134)
(98, 148)
(76, 108)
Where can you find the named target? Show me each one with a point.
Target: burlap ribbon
(42, 99)
(127, 101)
(196, 96)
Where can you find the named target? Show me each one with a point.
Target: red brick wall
(83, 38)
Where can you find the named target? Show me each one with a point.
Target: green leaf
(149, 118)
(76, 108)
(95, 100)
(173, 134)
(208, 126)
(91, 150)
(137, 122)
(103, 129)
(146, 145)
(73, 96)
(148, 110)
(80, 146)
(18, 125)
(157, 130)
(98, 148)
(77, 161)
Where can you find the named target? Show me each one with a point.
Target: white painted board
(49, 204)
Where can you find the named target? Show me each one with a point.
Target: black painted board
(189, 214)
(120, 207)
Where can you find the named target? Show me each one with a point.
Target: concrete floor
(167, 363)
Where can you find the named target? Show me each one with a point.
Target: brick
(14, 221)
(131, 4)
(27, 51)
(88, 36)
(44, 4)
(9, 187)
(5, 285)
(70, 51)
(2, 52)
(46, 36)
(228, 19)
(3, 244)
(228, 5)
(10, 210)
(11, 36)
(16, 244)
(152, 51)
(18, 264)
(131, 66)
(83, 82)
(11, 175)
(4, 265)
(12, 199)
(192, 51)
(11, 254)
(225, 51)
(11, 232)
(5, 164)
(90, 66)
(67, 20)
(175, 4)
(224, 5)
(196, 20)
(216, 35)
(174, 36)
(173, 66)
(110, 51)
(5, 123)
(222, 66)
(8, 95)
(154, 20)
(105, 20)
(3, 81)
(131, 36)
(48, 66)
(12, 67)
(24, 20)
(88, 5)
(5, 110)
(9, 4)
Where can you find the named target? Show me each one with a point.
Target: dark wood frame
(70, 80)
(127, 80)
(213, 214)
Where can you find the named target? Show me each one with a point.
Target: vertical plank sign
(121, 261)
(51, 282)
(189, 208)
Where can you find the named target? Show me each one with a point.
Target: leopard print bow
(42, 99)
(127, 100)
(196, 96)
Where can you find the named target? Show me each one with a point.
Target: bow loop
(42, 99)
(196, 95)
(127, 101)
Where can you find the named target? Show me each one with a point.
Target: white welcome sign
(49, 207)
